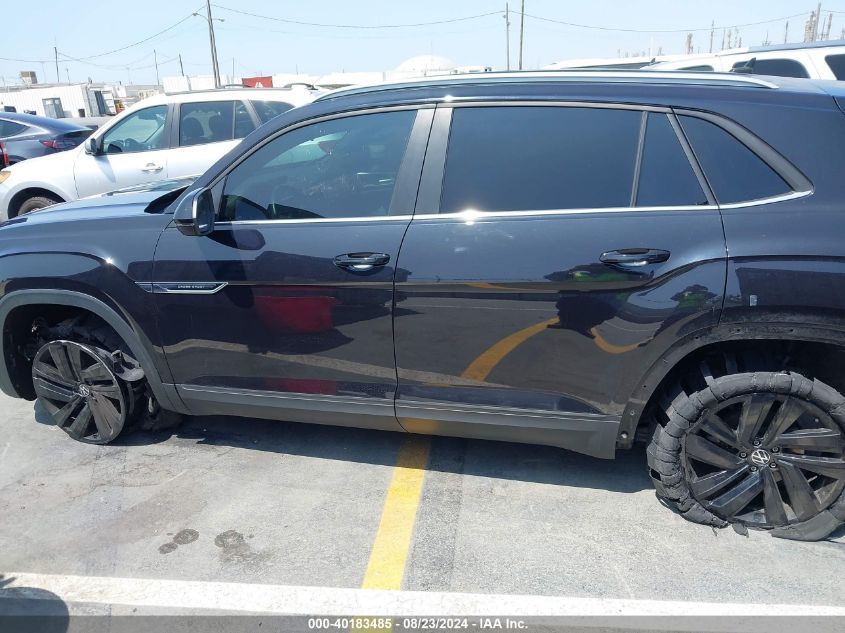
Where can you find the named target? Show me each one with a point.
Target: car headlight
(4, 175)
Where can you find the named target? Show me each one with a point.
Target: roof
(568, 76)
(64, 125)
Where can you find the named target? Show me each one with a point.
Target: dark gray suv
(582, 260)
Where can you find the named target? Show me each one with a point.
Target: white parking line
(297, 600)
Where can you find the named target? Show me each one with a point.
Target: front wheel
(765, 450)
(37, 202)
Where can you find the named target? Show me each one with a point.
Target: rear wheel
(37, 202)
(765, 450)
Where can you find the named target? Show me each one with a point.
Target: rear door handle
(634, 257)
(152, 168)
(361, 262)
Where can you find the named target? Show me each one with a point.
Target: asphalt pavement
(229, 500)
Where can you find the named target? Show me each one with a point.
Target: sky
(89, 35)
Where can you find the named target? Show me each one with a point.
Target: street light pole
(213, 42)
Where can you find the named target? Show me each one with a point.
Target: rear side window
(10, 128)
(777, 67)
(212, 122)
(837, 65)
(266, 110)
(540, 158)
(735, 173)
(666, 176)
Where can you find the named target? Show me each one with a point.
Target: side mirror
(92, 146)
(195, 214)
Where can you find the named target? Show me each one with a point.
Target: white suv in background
(819, 60)
(162, 137)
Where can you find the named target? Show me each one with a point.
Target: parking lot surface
(249, 501)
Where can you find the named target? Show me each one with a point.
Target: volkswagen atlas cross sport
(583, 260)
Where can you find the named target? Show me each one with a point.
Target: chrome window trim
(473, 102)
(481, 215)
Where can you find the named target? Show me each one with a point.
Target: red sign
(258, 82)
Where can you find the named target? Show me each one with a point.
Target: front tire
(35, 203)
(765, 450)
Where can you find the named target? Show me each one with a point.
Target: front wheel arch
(164, 393)
(22, 196)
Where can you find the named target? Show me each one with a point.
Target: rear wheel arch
(761, 339)
(164, 393)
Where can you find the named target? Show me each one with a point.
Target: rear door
(133, 151)
(552, 245)
(286, 310)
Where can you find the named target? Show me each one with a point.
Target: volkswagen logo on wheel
(760, 457)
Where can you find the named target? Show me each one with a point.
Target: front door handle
(634, 257)
(152, 168)
(361, 262)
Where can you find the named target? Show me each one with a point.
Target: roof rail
(642, 76)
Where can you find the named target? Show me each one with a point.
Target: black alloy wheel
(764, 450)
(765, 460)
(80, 391)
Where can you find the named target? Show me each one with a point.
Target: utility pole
(818, 19)
(213, 43)
(67, 73)
(786, 32)
(56, 55)
(712, 28)
(508, 36)
(155, 61)
(181, 67)
(521, 31)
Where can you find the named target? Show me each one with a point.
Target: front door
(285, 310)
(133, 151)
(544, 260)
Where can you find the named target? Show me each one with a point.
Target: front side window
(534, 158)
(141, 131)
(735, 173)
(777, 67)
(340, 168)
(837, 65)
(666, 176)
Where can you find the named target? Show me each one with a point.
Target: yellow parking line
(608, 347)
(481, 367)
(393, 539)
(386, 567)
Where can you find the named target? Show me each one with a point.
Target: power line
(623, 30)
(358, 26)
(138, 43)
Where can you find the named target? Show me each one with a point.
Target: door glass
(735, 173)
(666, 176)
(334, 169)
(243, 122)
(266, 110)
(777, 67)
(10, 128)
(142, 131)
(535, 158)
(837, 65)
(207, 122)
